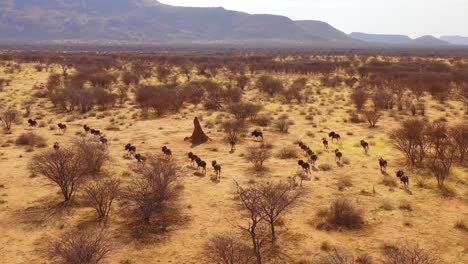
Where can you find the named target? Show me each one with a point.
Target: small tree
(8, 117)
(372, 117)
(410, 254)
(359, 97)
(249, 200)
(65, 167)
(227, 249)
(411, 139)
(258, 155)
(343, 213)
(155, 188)
(459, 135)
(93, 152)
(101, 194)
(80, 247)
(243, 110)
(233, 129)
(276, 199)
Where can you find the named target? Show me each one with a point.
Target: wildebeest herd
(305, 165)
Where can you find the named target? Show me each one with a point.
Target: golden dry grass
(208, 207)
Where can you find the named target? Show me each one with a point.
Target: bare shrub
(443, 152)
(258, 155)
(283, 125)
(101, 194)
(336, 257)
(325, 167)
(359, 97)
(287, 153)
(233, 129)
(411, 139)
(65, 167)
(343, 213)
(31, 139)
(459, 135)
(263, 120)
(9, 117)
(156, 187)
(227, 249)
(372, 117)
(410, 254)
(78, 247)
(93, 152)
(244, 110)
(256, 228)
(269, 85)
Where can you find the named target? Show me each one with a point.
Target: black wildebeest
(304, 165)
(95, 132)
(365, 145)
(103, 140)
(232, 143)
(192, 157)
(167, 152)
(32, 123)
(334, 135)
(257, 134)
(217, 168)
(403, 178)
(325, 143)
(338, 155)
(383, 164)
(313, 159)
(140, 158)
(56, 146)
(201, 164)
(62, 127)
(130, 149)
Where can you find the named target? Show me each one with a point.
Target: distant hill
(430, 40)
(148, 21)
(399, 39)
(456, 40)
(378, 38)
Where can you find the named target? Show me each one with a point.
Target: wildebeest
(192, 157)
(167, 152)
(383, 164)
(338, 155)
(140, 158)
(325, 143)
(56, 146)
(304, 165)
(32, 123)
(217, 168)
(403, 178)
(201, 164)
(365, 146)
(257, 134)
(62, 127)
(86, 128)
(232, 143)
(130, 149)
(313, 159)
(334, 135)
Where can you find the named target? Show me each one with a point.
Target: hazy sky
(410, 17)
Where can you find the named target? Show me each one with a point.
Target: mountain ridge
(149, 21)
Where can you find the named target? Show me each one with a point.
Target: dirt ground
(28, 220)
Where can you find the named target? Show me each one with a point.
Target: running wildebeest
(338, 155)
(365, 146)
(383, 164)
(32, 123)
(62, 127)
(403, 178)
(257, 134)
(304, 165)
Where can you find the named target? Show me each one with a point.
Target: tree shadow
(44, 214)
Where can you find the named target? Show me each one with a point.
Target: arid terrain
(150, 100)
